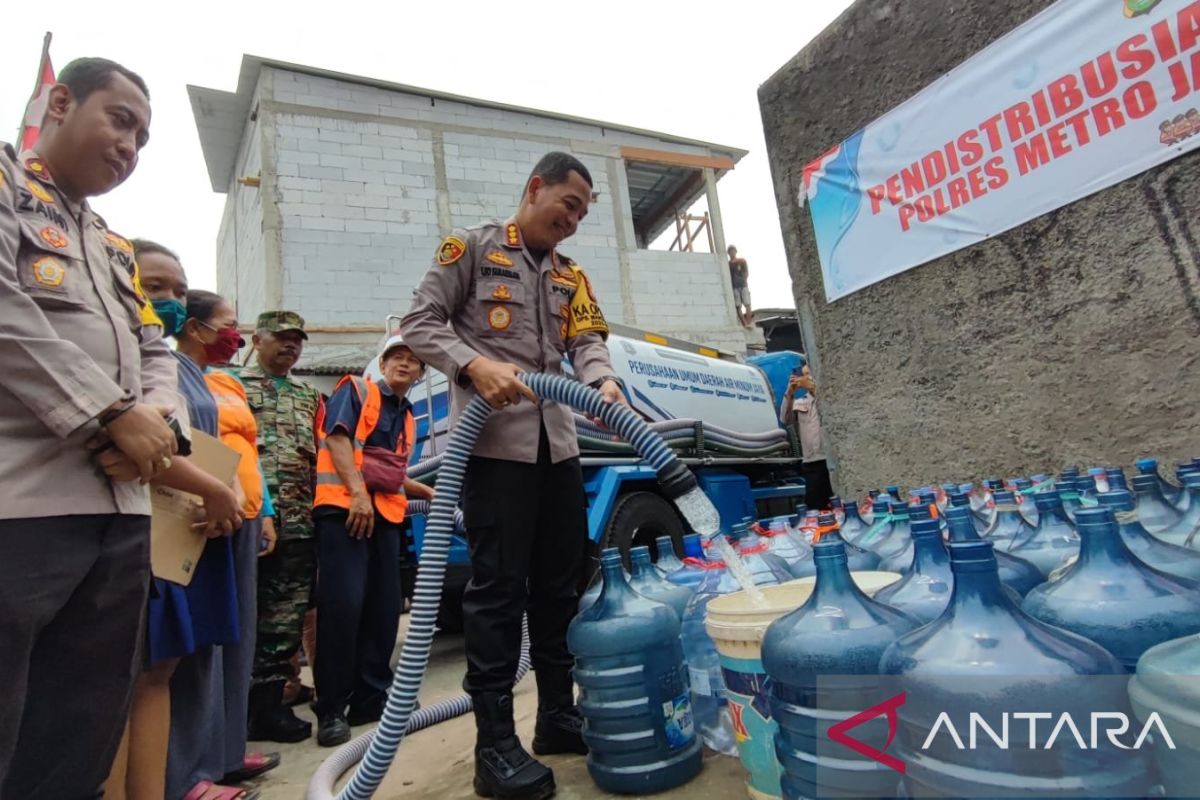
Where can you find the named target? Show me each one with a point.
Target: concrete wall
(361, 183)
(242, 271)
(1071, 339)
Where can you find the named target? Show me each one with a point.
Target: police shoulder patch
(451, 250)
(119, 242)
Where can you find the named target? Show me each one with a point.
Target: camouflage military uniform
(285, 410)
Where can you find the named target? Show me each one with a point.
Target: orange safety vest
(330, 489)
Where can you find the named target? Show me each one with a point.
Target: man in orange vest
(362, 494)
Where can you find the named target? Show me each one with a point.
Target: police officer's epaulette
(120, 252)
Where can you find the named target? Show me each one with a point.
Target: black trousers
(72, 608)
(817, 488)
(527, 537)
(358, 611)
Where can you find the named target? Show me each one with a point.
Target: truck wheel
(638, 519)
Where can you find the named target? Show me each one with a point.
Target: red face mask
(228, 342)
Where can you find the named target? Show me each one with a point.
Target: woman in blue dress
(176, 735)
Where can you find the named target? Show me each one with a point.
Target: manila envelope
(175, 546)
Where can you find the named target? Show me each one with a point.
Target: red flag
(31, 126)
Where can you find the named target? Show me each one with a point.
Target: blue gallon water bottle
(1180, 561)
(924, 590)
(710, 707)
(1008, 524)
(691, 571)
(790, 546)
(1116, 479)
(1053, 540)
(1015, 573)
(1185, 501)
(898, 538)
(667, 561)
(1153, 510)
(633, 690)
(820, 650)
(646, 581)
(1113, 598)
(1149, 466)
(1023, 490)
(853, 525)
(690, 574)
(880, 527)
(1167, 683)
(767, 568)
(593, 591)
(1069, 497)
(984, 656)
(1189, 523)
(858, 559)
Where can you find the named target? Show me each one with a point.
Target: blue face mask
(172, 313)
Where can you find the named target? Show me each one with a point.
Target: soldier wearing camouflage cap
(285, 410)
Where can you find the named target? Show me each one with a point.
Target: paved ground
(437, 762)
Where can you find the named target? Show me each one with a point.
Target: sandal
(253, 765)
(207, 790)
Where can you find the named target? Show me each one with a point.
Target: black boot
(332, 729)
(559, 726)
(269, 720)
(502, 767)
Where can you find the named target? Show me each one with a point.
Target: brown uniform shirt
(76, 335)
(494, 299)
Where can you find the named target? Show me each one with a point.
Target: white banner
(1082, 96)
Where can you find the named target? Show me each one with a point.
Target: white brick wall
(241, 262)
(358, 202)
(359, 207)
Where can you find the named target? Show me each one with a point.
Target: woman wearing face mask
(179, 697)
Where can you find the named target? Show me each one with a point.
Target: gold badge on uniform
(48, 271)
(512, 235)
(502, 292)
(452, 249)
(54, 237)
(37, 167)
(499, 318)
(119, 242)
(37, 191)
(496, 257)
(562, 330)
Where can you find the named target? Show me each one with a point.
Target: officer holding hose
(500, 300)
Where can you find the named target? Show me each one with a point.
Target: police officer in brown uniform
(81, 354)
(498, 301)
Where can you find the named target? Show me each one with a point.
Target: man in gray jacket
(81, 352)
(500, 300)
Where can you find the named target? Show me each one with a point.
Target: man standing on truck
(500, 300)
(739, 279)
